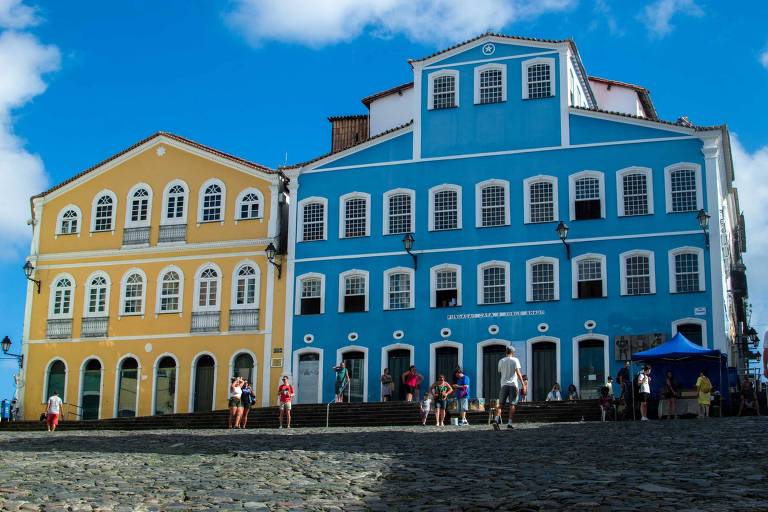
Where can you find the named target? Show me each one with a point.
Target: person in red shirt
(284, 395)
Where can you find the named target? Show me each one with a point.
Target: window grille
(354, 293)
(103, 218)
(208, 290)
(311, 296)
(542, 201)
(313, 222)
(69, 223)
(494, 285)
(638, 274)
(491, 86)
(493, 206)
(134, 294)
(355, 213)
(542, 282)
(246, 286)
(62, 298)
(400, 214)
(587, 200)
(444, 92)
(249, 206)
(139, 206)
(539, 81)
(683, 183)
(399, 291)
(687, 272)
(170, 292)
(446, 288)
(446, 209)
(635, 194)
(590, 278)
(97, 296)
(212, 203)
(175, 206)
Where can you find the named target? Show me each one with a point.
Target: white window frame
(239, 202)
(300, 220)
(696, 168)
(433, 282)
(524, 75)
(158, 298)
(297, 296)
(527, 198)
(201, 198)
(124, 282)
(623, 270)
(235, 278)
(673, 275)
(342, 213)
(479, 201)
(342, 286)
(196, 297)
(529, 276)
(387, 195)
(575, 272)
(412, 281)
(87, 295)
(479, 70)
(620, 188)
(52, 297)
(507, 282)
(690, 320)
(96, 198)
(164, 215)
(60, 219)
(459, 210)
(129, 206)
(431, 87)
(573, 178)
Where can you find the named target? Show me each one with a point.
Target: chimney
(346, 131)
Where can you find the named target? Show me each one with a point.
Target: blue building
(549, 210)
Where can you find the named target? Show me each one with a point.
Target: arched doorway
(165, 386)
(90, 397)
(205, 369)
(243, 367)
(355, 363)
(492, 354)
(694, 332)
(446, 361)
(591, 367)
(127, 388)
(543, 368)
(398, 362)
(308, 378)
(57, 378)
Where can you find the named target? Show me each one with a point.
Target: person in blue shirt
(461, 390)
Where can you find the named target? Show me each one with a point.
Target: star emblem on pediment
(488, 49)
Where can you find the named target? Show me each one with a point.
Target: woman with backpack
(246, 399)
(703, 388)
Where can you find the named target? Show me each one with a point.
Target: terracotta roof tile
(494, 34)
(659, 121)
(373, 97)
(349, 116)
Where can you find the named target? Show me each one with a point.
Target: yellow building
(154, 284)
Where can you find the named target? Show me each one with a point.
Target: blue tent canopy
(677, 349)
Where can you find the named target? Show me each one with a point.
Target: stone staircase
(341, 415)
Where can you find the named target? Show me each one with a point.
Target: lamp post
(408, 245)
(562, 231)
(703, 218)
(271, 253)
(28, 270)
(6, 346)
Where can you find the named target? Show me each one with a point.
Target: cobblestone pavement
(671, 465)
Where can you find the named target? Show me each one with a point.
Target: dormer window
(443, 89)
(490, 83)
(538, 79)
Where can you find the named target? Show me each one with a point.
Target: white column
(267, 355)
(274, 213)
(34, 250)
(562, 80)
(293, 191)
(711, 150)
(417, 100)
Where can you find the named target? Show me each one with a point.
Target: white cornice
(647, 123)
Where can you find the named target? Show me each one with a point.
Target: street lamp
(28, 269)
(562, 231)
(6, 346)
(703, 218)
(271, 252)
(408, 245)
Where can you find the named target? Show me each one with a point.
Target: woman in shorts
(441, 390)
(235, 403)
(411, 380)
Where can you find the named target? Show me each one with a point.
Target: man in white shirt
(644, 385)
(511, 380)
(52, 411)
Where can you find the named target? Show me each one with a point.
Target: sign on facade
(627, 345)
(497, 314)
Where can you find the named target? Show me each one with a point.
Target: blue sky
(80, 81)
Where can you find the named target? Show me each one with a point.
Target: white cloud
(317, 23)
(658, 15)
(604, 12)
(23, 61)
(751, 170)
(14, 14)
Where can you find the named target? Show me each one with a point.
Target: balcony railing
(243, 319)
(206, 321)
(173, 233)
(93, 327)
(59, 328)
(136, 236)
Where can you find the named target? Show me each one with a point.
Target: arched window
(490, 83)
(69, 221)
(635, 190)
(61, 303)
(103, 212)
(686, 270)
(208, 287)
(133, 294)
(249, 204)
(493, 282)
(97, 296)
(170, 291)
(540, 199)
(127, 388)
(638, 275)
(589, 275)
(353, 291)
(174, 211)
(587, 195)
(310, 299)
(399, 288)
(491, 203)
(445, 286)
(211, 208)
(399, 211)
(443, 89)
(444, 207)
(538, 79)
(56, 379)
(543, 279)
(139, 206)
(90, 390)
(683, 188)
(246, 288)
(312, 216)
(354, 210)
(243, 366)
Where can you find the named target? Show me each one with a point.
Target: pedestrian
(748, 400)
(246, 399)
(235, 405)
(511, 380)
(644, 388)
(624, 380)
(670, 394)
(411, 380)
(703, 388)
(606, 404)
(573, 393)
(441, 390)
(623, 376)
(461, 389)
(609, 385)
(524, 390)
(284, 395)
(52, 411)
(554, 395)
(424, 406)
(342, 381)
(387, 386)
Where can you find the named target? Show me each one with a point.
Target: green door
(492, 354)
(446, 361)
(398, 362)
(126, 393)
(355, 362)
(91, 394)
(544, 369)
(204, 371)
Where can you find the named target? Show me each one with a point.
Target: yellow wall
(226, 244)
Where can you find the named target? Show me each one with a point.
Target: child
(424, 406)
(609, 385)
(606, 402)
